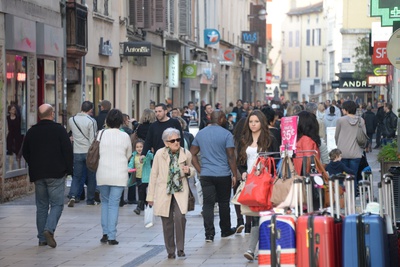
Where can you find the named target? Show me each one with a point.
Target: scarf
(174, 182)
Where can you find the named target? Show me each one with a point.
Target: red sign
(379, 56)
(289, 132)
(268, 79)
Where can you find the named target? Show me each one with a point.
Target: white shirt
(251, 157)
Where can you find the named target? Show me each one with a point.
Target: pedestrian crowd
(156, 157)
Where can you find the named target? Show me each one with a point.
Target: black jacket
(380, 115)
(389, 125)
(101, 119)
(48, 151)
(336, 167)
(370, 121)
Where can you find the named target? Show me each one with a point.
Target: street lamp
(262, 15)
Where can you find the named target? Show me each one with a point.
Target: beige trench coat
(157, 190)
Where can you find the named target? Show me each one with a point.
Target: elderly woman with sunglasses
(168, 190)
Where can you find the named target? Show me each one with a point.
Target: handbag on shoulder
(93, 155)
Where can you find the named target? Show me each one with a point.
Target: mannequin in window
(14, 137)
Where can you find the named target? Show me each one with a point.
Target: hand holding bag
(258, 186)
(148, 216)
(93, 155)
(239, 190)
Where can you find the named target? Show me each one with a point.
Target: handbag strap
(101, 134)
(73, 118)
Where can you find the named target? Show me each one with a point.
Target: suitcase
(318, 235)
(277, 237)
(277, 243)
(365, 240)
(386, 195)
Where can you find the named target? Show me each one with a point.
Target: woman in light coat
(112, 173)
(168, 190)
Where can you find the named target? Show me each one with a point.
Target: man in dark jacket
(105, 107)
(370, 125)
(380, 114)
(48, 151)
(389, 124)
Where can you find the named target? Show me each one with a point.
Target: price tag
(289, 132)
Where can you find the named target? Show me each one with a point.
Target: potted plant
(389, 156)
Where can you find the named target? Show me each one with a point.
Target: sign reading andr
(137, 49)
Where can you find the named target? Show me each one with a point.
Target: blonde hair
(148, 116)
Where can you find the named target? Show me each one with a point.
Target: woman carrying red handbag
(255, 138)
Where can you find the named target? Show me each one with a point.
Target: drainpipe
(63, 6)
(83, 70)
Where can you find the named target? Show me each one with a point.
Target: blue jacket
(146, 165)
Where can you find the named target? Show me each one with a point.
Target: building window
(290, 71)
(316, 38)
(94, 5)
(297, 70)
(16, 112)
(106, 8)
(307, 68)
(307, 37)
(100, 85)
(290, 39)
(316, 68)
(297, 38)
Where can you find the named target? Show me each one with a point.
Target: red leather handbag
(258, 188)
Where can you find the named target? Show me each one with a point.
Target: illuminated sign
(377, 80)
(388, 10)
(379, 57)
(249, 37)
(211, 36)
(173, 71)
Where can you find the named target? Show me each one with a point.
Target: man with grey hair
(217, 171)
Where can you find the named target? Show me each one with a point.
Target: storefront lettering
(357, 84)
(142, 49)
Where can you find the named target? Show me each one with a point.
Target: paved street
(79, 232)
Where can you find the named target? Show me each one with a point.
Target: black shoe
(239, 229)
(104, 239)
(209, 238)
(51, 242)
(229, 233)
(137, 210)
(122, 203)
(181, 253)
(171, 256)
(83, 195)
(113, 242)
(42, 243)
(71, 202)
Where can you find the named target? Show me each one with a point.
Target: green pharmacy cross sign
(388, 10)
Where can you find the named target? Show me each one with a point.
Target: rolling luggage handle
(363, 187)
(335, 208)
(349, 196)
(309, 189)
(388, 192)
(369, 174)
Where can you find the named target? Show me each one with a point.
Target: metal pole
(83, 70)
(64, 64)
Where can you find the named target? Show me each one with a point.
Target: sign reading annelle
(137, 49)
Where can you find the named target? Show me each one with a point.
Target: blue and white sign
(249, 37)
(211, 36)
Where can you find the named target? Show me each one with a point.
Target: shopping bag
(148, 216)
(240, 188)
(258, 187)
(191, 200)
(198, 189)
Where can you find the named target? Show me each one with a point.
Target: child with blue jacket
(143, 168)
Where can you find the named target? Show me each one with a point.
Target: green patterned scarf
(174, 183)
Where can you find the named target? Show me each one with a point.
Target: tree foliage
(363, 62)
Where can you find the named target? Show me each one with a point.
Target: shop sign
(379, 56)
(20, 34)
(388, 10)
(211, 36)
(335, 84)
(377, 80)
(350, 83)
(189, 71)
(284, 85)
(137, 49)
(382, 70)
(105, 47)
(227, 57)
(249, 37)
(173, 71)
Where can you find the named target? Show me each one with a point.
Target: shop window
(16, 112)
(99, 86)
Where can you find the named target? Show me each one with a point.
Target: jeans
(353, 164)
(110, 196)
(378, 134)
(49, 194)
(214, 186)
(79, 169)
(386, 141)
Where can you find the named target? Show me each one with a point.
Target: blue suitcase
(365, 241)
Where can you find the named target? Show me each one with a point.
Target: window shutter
(160, 18)
(184, 17)
(171, 18)
(136, 13)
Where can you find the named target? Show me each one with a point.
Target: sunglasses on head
(173, 140)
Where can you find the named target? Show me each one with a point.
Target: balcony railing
(77, 29)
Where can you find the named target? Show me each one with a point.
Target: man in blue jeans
(48, 152)
(217, 173)
(84, 129)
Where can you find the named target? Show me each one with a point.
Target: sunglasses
(173, 140)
